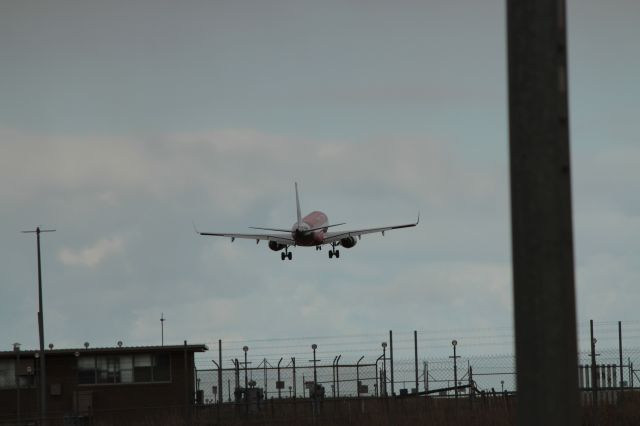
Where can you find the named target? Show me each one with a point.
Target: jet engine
(348, 242)
(276, 246)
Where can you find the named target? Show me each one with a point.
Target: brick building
(112, 384)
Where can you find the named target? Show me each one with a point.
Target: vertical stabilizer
(298, 205)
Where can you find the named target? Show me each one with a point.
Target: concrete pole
(541, 216)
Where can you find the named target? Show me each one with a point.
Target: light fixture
(454, 342)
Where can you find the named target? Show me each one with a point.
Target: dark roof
(113, 349)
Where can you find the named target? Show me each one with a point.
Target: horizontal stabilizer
(323, 227)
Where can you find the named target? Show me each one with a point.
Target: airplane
(310, 230)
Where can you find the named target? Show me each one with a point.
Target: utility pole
(43, 374)
(541, 213)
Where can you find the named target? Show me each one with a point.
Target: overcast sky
(123, 122)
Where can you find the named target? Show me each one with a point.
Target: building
(111, 384)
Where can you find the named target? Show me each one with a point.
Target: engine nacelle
(276, 246)
(348, 242)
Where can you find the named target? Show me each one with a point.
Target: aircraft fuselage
(313, 220)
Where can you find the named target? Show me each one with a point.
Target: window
(7, 373)
(142, 368)
(162, 368)
(109, 369)
(86, 370)
(139, 368)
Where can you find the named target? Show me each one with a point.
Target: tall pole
(391, 360)
(43, 372)
(541, 213)
(415, 350)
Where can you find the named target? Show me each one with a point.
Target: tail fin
(298, 204)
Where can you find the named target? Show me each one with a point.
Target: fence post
(186, 387)
(265, 379)
(594, 370)
(471, 386)
(620, 353)
(391, 360)
(220, 392)
(415, 356)
(338, 376)
(293, 361)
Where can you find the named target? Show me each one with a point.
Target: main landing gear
(286, 254)
(334, 252)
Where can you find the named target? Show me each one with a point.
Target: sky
(122, 123)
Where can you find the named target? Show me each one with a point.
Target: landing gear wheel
(282, 255)
(330, 254)
(337, 254)
(290, 255)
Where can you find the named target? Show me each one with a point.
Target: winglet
(298, 204)
(418, 221)
(194, 227)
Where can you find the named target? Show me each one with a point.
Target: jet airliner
(310, 230)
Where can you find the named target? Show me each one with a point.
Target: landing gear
(334, 252)
(286, 254)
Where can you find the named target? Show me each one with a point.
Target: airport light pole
(43, 380)
(384, 368)
(455, 357)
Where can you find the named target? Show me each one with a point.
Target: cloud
(234, 168)
(93, 255)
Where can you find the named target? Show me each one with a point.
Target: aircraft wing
(333, 237)
(279, 238)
